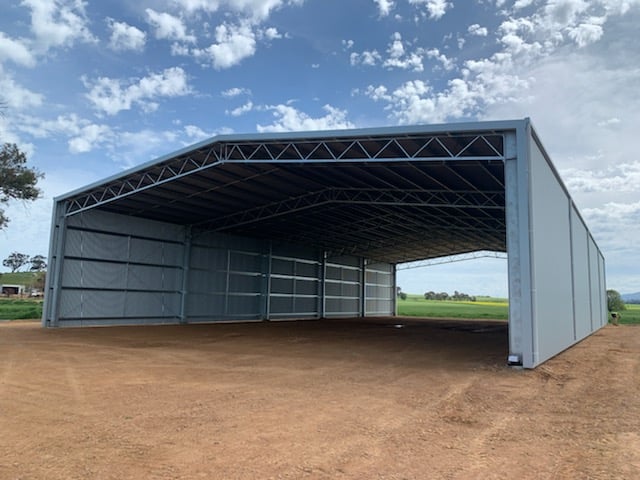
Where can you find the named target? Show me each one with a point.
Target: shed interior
(388, 198)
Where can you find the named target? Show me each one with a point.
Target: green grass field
(20, 309)
(483, 307)
(631, 315)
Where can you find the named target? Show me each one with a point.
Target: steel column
(186, 262)
(521, 348)
(51, 308)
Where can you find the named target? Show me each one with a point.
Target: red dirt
(316, 400)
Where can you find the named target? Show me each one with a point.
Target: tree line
(431, 295)
(15, 261)
(456, 297)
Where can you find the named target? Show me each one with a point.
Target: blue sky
(95, 87)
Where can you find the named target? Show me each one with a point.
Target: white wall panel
(594, 275)
(551, 261)
(581, 290)
(604, 312)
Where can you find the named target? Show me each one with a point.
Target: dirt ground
(313, 400)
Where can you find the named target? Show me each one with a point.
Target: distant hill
(631, 297)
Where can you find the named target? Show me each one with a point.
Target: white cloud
(16, 51)
(180, 49)
(110, 95)
(509, 75)
(168, 27)
(125, 36)
(435, 8)
(609, 122)
(384, 7)
(519, 4)
(88, 138)
(446, 62)
(16, 96)
(560, 20)
(257, 10)
(368, 58)
(586, 33)
(82, 134)
(58, 23)
(564, 12)
(288, 119)
(235, 91)
(347, 44)
(416, 102)
(614, 224)
(194, 132)
(132, 148)
(619, 7)
(582, 105)
(270, 33)
(477, 30)
(236, 112)
(397, 56)
(621, 178)
(482, 83)
(234, 44)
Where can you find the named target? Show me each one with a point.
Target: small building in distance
(8, 290)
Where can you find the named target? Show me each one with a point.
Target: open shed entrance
(297, 225)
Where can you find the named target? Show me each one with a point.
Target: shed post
(518, 246)
(363, 287)
(186, 262)
(53, 281)
(323, 285)
(266, 283)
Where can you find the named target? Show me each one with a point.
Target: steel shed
(313, 224)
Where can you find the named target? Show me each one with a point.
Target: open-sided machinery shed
(312, 225)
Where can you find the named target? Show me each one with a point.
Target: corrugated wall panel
(379, 288)
(295, 284)
(137, 278)
(225, 278)
(127, 226)
(343, 287)
(119, 267)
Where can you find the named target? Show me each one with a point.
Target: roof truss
(389, 197)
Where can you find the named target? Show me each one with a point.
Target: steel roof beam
(388, 149)
(390, 197)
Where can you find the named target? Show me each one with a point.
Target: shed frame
(313, 225)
